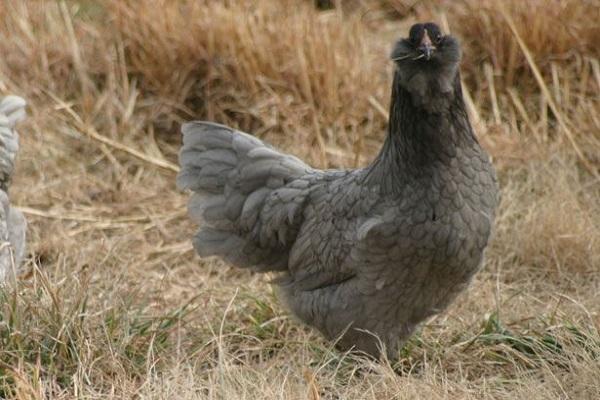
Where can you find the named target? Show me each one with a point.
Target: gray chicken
(363, 255)
(12, 222)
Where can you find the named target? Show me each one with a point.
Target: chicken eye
(438, 38)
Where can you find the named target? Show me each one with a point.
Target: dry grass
(116, 305)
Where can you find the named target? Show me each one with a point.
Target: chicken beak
(426, 46)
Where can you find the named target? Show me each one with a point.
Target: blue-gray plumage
(12, 222)
(363, 255)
